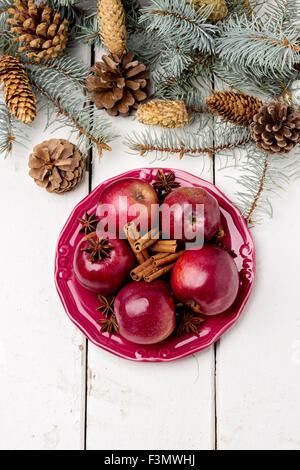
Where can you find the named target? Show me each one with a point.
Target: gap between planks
(86, 365)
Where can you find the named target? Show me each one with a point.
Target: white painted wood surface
(155, 406)
(44, 363)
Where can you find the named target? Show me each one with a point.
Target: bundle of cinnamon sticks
(151, 267)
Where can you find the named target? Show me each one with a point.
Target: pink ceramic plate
(81, 304)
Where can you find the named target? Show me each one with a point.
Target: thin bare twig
(142, 148)
(259, 191)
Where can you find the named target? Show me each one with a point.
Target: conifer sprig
(178, 21)
(11, 131)
(73, 109)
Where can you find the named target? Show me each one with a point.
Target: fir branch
(87, 31)
(259, 191)
(189, 142)
(175, 20)
(143, 149)
(259, 46)
(192, 86)
(244, 79)
(99, 142)
(10, 133)
(259, 176)
(5, 5)
(7, 44)
(66, 65)
(73, 108)
(284, 13)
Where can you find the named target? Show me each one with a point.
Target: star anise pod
(189, 323)
(107, 305)
(99, 249)
(89, 223)
(218, 241)
(109, 324)
(165, 183)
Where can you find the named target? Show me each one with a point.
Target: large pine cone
(56, 165)
(220, 10)
(111, 19)
(18, 95)
(237, 108)
(119, 84)
(170, 114)
(276, 128)
(40, 28)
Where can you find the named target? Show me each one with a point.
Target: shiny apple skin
(207, 280)
(108, 275)
(145, 312)
(193, 196)
(137, 192)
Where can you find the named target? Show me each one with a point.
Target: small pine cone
(18, 95)
(163, 113)
(56, 165)
(220, 9)
(119, 84)
(111, 20)
(237, 108)
(276, 128)
(40, 28)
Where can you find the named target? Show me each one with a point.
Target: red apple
(122, 195)
(102, 264)
(145, 312)
(185, 216)
(206, 280)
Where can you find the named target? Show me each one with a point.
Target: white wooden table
(59, 391)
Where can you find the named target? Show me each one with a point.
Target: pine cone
(40, 28)
(111, 20)
(18, 95)
(169, 114)
(56, 165)
(276, 128)
(119, 84)
(237, 108)
(220, 9)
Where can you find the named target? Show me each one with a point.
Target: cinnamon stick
(165, 246)
(132, 235)
(147, 240)
(137, 274)
(158, 272)
(169, 258)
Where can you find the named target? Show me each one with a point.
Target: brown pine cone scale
(18, 95)
(41, 28)
(276, 128)
(237, 108)
(119, 84)
(56, 165)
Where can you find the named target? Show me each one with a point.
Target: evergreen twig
(259, 191)
(144, 148)
(99, 142)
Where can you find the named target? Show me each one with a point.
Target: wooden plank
(42, 355)
(145, 405)
(258, 360)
